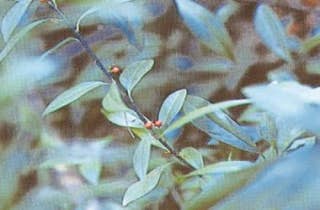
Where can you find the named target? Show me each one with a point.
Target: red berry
(148, 125)
(115, 69)
(158, 123)
(43, 1)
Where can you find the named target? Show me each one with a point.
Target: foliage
(162, 131)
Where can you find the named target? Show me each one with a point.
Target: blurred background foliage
(76, 159)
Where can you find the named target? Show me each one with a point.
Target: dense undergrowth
(148, 104)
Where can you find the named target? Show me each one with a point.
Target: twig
(124, 94)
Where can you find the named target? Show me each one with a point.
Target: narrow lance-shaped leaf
(192, 156)
(310, 43)
(228, 183)
(57, 46)
(208, 28)
(112, 102)
(271, 31)
(141, 158)
(91, 171)
(15, 38)
(134, 72)
(171, 106)
(85, 14)
(144, 133)
(124, 118)
(290, 101)
(204, 111)
(219, 125)
(13, 17)
(71, 95)
(142, 187)
(227, 10)
(130, 23)
(221, 167)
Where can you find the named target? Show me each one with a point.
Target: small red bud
(115, 69)
(158, 123)
(148, 125)
(43, 1)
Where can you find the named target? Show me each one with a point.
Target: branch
(124, 94)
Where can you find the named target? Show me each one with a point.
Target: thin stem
(82, 41)
(124, 94)
(174, 153)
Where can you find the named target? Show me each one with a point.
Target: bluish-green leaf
(112, 102)
(143, 133)
(208, 28)
(204, 111)
(227, 10)
(271, 31)
(171, 106)
(192, 156)
(291, 102)
(134, 72)
(71, 95)
(219, 125)
(220, 188)
(91, 171)
(142, 187)
(124, 118)
(313, 66)
(141, 158)
(57, 46)
(128, 16)
(85, 14)
(13, 17)
(15, 38)
(273, 188)
(310, 43)
(221, 167)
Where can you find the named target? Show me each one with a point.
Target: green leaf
(219, 125)
(192, 156)
(143, 133)
(112, 102)
(134, 72)
(91, 171)
(124, 119)
(57, 46)
(13, 17)
(171, 106)
(85, 14)
(227, 10)
(271, 31)
(71, 95)
(142, 187)
(141, 158)
(313, 66)
(289, 102)
(204, 111)
(15, 38)
(208, 28)
(228, 183)
(221, 167)
(310, 43)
